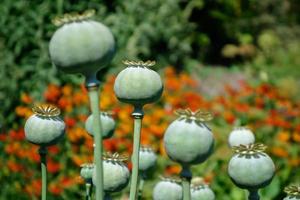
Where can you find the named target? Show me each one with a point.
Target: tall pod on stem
(137, 85)
(251, 168)
(86, 173)
(189, 141)
(81, 45)
(44, 128)
(116, 174)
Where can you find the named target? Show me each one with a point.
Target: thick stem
(88, 189)
(141, 186)
(186, 176)
(253, 195)
(43, 153)
(137, 115)
(97, 127)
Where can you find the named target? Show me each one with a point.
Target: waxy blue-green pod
(250, 168)
(86, 171)
(81, 45)
(115, 173)
(293, 192)
(44, 127)
(137, 84)
(202, 192)
(188, 140)
(241, 135)
(168, 189)
(147, 159)
(108, 125)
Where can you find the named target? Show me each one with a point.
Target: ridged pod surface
(202, 192)
(108, 125)
(241, 135)
(115, 173)
(81, 45)
(251, 168)
(86, 171)
(147, 159)
(137, 84)
(167, 189)
(44, 127)
(188, 140)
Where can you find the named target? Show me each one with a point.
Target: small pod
(168, 189)
(137, 84)
(250, 167)
(81, 45)
(201, 191)
(115, 173)
(188, 140)
(147, 159)
(44, 127)
(293, 192)
(108, 125)
(86, 171)
(241, 135)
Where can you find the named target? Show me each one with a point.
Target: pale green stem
(253, 195)
(88, 189)
(186, 176)
(43, 153)
(97, 127)
(137, 115)
(141, 186)
(59, 6)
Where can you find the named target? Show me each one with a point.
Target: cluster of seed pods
(81, 45)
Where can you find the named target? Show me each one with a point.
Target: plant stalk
(186, 176)
(141, 186)
(253, 195)
(88, 189)
(43, 153)
(97, 127)
(138, 116)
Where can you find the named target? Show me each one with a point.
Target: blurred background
(239, 59)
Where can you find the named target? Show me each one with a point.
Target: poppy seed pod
(293, 192)
(188, 140)
(147, 159)
(137, 84)
(115, 173)
(241, 135)
(108, 125)
(81, 45)
(168, 189)
(86, 171)
(202, 191)
(44, 127)
(250, 167)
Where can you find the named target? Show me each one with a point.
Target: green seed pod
(86, 171)
(201, 191)
(44, 127)
(250, 168)
(293, 192)
(241, 135)
(147, 159)
(115, 173)
(108, 125)
(188, 140)
(168, 189)
(137, 84)
(81, 45)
